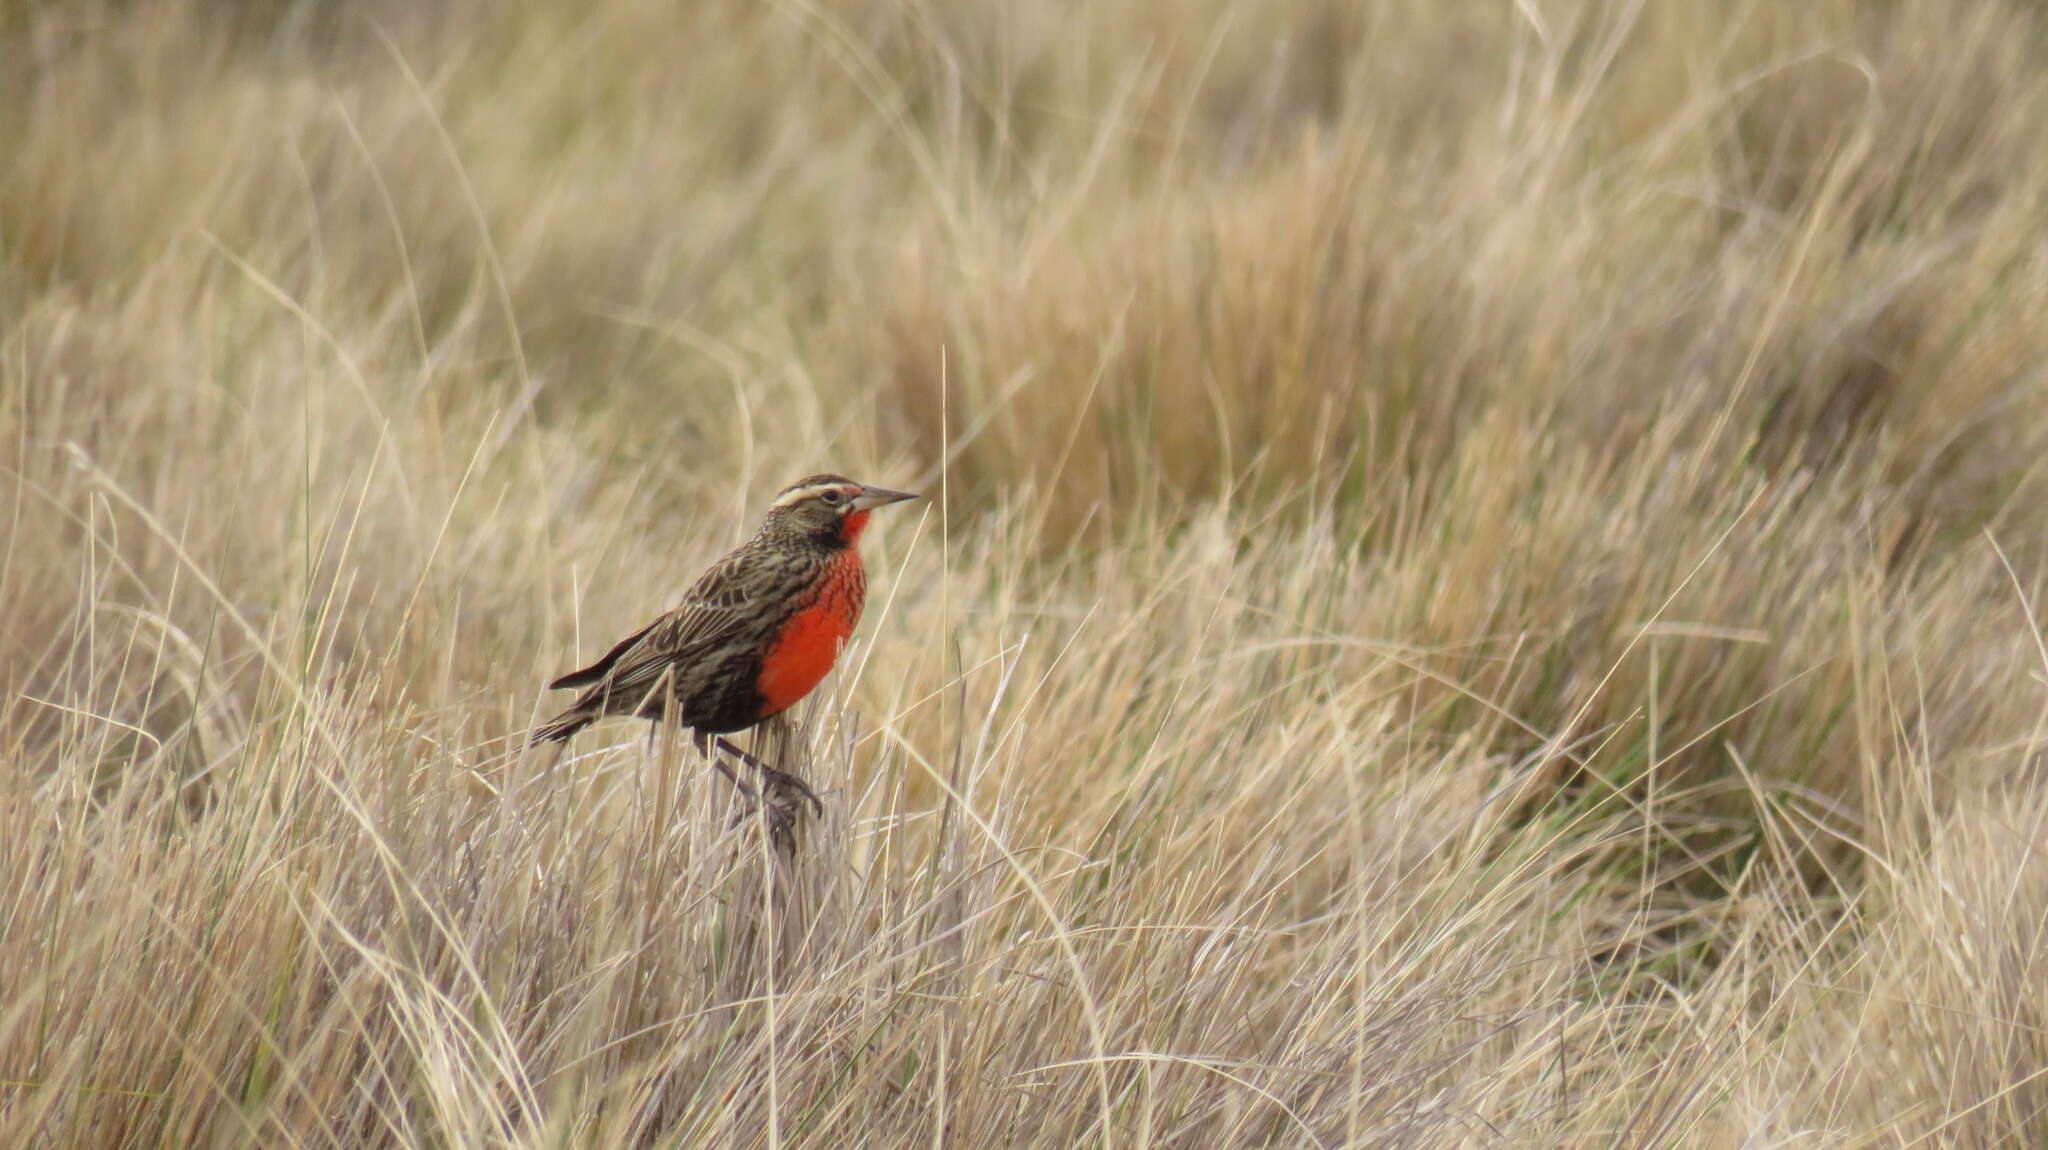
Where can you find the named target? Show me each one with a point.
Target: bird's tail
(560, 727)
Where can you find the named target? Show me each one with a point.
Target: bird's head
(830, 509)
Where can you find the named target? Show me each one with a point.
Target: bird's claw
(773, 779)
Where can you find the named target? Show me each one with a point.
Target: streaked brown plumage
(755, 634)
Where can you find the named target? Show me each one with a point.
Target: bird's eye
(833, 498)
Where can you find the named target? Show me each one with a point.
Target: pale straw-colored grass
(1483, 584)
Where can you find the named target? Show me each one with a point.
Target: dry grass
(1483, 591)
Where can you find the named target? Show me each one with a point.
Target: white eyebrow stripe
(791, 497)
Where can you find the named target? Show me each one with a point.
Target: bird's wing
(727, 599)
(597, 670)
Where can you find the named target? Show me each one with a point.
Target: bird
(754, 635)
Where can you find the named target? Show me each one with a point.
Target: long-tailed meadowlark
(756, 633)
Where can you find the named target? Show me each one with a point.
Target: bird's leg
(703, 745)
(768, 774)
(734, 779)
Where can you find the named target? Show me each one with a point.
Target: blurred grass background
(1480, 587)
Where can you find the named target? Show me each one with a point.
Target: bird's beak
(873, 497)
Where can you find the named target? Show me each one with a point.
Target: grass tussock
(1483, 587)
